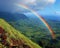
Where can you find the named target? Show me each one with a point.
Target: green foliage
(36, 30)
(17, 34)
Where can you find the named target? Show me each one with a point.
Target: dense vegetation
(14, 35)
(38, 32)
(34, 29)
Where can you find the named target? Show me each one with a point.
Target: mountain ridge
(12, 16)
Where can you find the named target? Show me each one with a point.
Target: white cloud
(30, 1)
(33, 4)
(52, 1)
(37, 4)
(57, 12)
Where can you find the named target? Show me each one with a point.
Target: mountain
(12, 38)
(12, 16)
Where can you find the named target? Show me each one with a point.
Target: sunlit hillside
(13, 38)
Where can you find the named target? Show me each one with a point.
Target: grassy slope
(16, 34)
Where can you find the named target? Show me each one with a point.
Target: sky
(53, 9)
(43, 7)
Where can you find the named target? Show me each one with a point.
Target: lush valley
(38, 32)
(35, 29)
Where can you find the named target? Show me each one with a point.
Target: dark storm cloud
(7, 5)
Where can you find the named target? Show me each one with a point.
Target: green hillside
(12, 33)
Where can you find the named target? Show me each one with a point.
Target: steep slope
(15, 38)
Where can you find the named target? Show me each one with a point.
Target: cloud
(35, 4)
(51, 1)
(38, 4)
(30, 1)
(57, 12)
(9, 5)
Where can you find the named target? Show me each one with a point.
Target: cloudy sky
(42, 6)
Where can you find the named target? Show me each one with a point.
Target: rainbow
(40, 17)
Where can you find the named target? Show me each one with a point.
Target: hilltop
(10, 37)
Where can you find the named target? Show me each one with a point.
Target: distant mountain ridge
(12, 16)
(52, 17)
